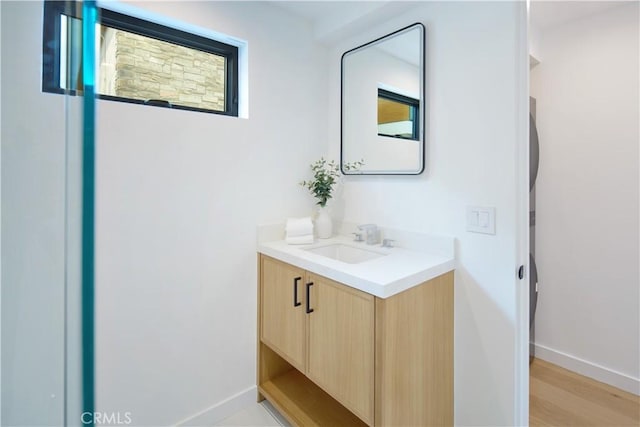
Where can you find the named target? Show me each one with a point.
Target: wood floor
(558, 397)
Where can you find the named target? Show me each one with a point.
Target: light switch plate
(481, 219)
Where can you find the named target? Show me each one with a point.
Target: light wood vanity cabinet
(283, 317)
(341, 344)
(331, 355)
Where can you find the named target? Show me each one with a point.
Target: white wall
(534, 39)
(33, 227)
(473, 99)
(586, 88)
(179, 195)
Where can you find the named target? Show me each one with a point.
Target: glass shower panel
(46, 261)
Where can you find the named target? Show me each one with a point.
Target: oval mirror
(383, 111)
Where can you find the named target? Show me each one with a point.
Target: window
(398, 115)
(140, 62)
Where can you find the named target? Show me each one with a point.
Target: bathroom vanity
(350, 338)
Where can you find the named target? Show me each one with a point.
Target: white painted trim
(221, 410)
(588, 369)
(137, 12)
(521, 350)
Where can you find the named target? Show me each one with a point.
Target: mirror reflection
(383, 104)
(398, 115)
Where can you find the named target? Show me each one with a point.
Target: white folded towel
(300, 240)
(299, 227)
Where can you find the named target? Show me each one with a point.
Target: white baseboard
(222, 410)
(589, 369)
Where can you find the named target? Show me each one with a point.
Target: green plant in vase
(325, 176)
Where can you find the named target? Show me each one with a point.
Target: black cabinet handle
(295, 292)
(309, 309)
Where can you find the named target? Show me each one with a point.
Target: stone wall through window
(139, 67)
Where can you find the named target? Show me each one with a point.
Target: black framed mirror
(383, 104)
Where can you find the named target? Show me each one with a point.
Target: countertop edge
(380, 290)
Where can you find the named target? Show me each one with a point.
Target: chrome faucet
(387, 243)
(371, 231)
(357, 237)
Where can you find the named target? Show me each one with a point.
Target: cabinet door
(282, 317)
(341, 344)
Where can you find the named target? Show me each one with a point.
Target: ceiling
(549, 13)
(335, 19)
(315, 11)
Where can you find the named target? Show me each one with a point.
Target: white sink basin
(345, 253)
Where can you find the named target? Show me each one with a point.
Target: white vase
(323, 224)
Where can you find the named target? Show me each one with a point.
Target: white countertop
(385, 276)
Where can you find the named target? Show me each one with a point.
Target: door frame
(521, 365)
